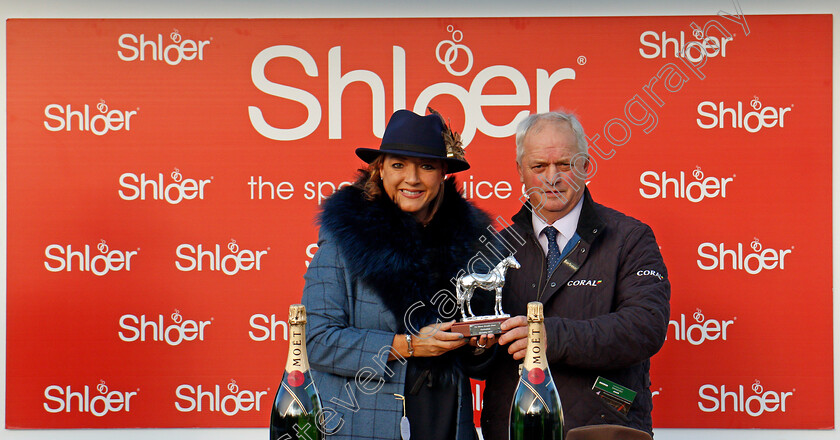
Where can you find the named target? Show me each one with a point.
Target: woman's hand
(431, 340)
(436, 339)
(482, 342)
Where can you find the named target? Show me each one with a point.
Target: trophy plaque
(470, 324)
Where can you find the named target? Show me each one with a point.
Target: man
(599, 275)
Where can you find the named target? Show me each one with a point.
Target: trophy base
(481, 326)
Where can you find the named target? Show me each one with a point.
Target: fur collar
(403, 261)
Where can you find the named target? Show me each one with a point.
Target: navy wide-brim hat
(409, 134)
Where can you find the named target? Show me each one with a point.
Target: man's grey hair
(556, 117)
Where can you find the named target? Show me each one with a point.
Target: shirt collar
(566, 225)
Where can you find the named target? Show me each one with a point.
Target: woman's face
(412, 182)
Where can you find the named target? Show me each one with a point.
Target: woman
(387, 246)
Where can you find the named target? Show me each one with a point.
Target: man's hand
(516, 334)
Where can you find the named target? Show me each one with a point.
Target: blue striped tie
(553, 250)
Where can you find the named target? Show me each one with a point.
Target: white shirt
(566, 226)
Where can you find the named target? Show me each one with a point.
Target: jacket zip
(548, 277)
(540, 287)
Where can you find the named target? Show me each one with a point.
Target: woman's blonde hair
(372, 187)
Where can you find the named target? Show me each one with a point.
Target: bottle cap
(297, 314)
(535, 311)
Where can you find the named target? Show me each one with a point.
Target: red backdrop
(163, 177)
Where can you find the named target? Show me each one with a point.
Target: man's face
(548, 171)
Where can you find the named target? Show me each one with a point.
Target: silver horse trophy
(492, 281)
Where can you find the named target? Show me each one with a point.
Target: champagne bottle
(536, 413)
(297, 412)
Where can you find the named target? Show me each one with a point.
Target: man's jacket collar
(589, 225)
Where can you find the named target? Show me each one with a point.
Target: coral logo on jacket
(720, 115)
(139, 328)
(591, 283)
(99, 401)
(721, 256)
(99, 122)
(230, 401)
(659, 185)
(719, 399)
(173, 189)
(99, 262)
(701, 331)
(196, 258)
(649, 273)
(172, 49)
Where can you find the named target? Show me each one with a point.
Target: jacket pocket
(608, 413)
(335, 422)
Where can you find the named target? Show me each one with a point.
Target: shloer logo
(175, 191)
(195, 258)
(265, 328)
(195, 399)
(718, 115)
(656, 46)
(717, 399)
(472, 98)
(99, 402)
(701, 331)
(659, 185)
(66, 118)
(716, 256)
(64, 258)
(179, 330)
(180, 49)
